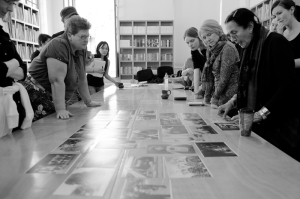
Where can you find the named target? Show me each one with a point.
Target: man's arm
(57, 72)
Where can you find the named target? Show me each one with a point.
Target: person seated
(43, 39)
(60, 68)
(220, 72)
(97, 83)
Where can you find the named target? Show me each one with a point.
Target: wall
(184, 14)
(50, 15)
(227, 6)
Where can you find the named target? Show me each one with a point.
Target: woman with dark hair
(220, 73)
(97, 83)
(287, 14)
(43, 39)
(198, 52)
(266, 80)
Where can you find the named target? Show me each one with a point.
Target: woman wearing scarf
(220, 72)
(266, 82)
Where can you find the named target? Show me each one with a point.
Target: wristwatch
(264, 112)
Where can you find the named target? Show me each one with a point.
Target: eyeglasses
(84, 37)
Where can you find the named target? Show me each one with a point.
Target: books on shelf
(126, 57)
(152, 43)
(166, 57)
(139, 42)
(136, 69)
(126, 70)
(139, 56)
(125, 43)
(152, 29)
(125, 30)
(139, 30)
(166, 43)
(153, 56)
(166, 29)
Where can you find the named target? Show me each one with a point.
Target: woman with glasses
(266, 82)
(97, 83)
(59, 71)
(220, 72)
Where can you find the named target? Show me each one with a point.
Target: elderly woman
(198, 51)
(266, 82)
(11, 67)
(60, 67)
(220, 73)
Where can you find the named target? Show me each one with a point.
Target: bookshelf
(144, 44)
(24, 28)
(263, 11)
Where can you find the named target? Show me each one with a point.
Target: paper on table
(99, 64)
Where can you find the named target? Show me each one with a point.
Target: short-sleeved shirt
(61, 49)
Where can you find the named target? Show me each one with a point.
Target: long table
(259, 170)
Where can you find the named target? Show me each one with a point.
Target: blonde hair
(211, 26)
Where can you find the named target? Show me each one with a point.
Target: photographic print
(174, 130)
(170, 121)
(170, 149)
(202, 130)
(146, 189)
(186, 138)
(86, 182)
(145, 117)
(168, 115)
(126, 112)
(149, 112)
(144, 134)
(193, 122)
(215, 149)
(120, 124)
(228, 126)
(116, 144)
(74, 146)
(141, 167)
(101, 158)
(186, 167)
(190, 115)
(54, 164)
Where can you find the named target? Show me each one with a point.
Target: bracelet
(264, 112)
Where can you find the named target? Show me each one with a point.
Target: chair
(162, 70)
(145, 75)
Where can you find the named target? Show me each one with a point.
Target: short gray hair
(77, 23)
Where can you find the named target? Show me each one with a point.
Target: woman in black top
(11, 65)
(198, 52)
(287, 13)
(97, 83)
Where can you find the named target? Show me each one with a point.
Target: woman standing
(198, 52)
(286, 12)
(266, 82)
(220, 73)
(97, 83)
(11, 65)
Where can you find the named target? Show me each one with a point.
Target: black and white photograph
(215, 149)
(86, 182)
(179, 148)
(228, 126)
(54, 164)
(146, 189)
(186, 167)
(202, 130)
(144, 134)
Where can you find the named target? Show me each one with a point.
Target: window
(101, 14)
